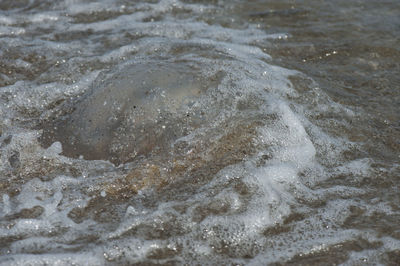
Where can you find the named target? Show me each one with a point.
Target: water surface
(199, 132)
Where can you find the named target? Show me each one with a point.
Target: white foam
(13, 31)
(54, 259)
(55, 148)
(7, 20)
(6, 205)
(224, 219)
(44, 17)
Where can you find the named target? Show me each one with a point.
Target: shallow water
(199, 132)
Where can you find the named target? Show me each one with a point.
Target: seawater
(199, 132)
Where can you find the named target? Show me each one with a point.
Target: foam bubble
(221, 159)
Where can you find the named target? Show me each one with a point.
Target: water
(199, 132)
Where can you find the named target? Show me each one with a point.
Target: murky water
(199, 132)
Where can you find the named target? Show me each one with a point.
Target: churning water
(199, 132)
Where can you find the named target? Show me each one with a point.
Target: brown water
(351, 49)
(200, 132)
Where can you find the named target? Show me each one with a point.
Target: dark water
(199, 132)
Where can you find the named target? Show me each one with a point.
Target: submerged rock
(132, 111)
